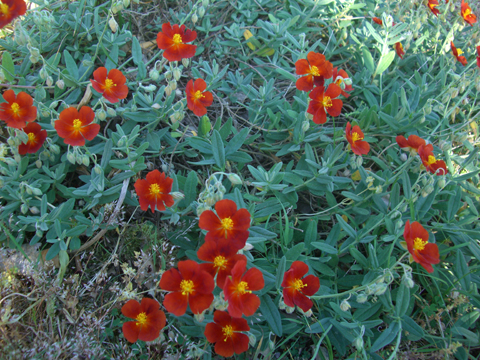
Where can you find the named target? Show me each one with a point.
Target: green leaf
(53, 251)
(285, 74)
(402, 300)
(324, 247)
(112, 57)
(345, 227)
(408, 324)
(270, 311)
(357, 255)
(462, 271)
(191, 188)
(385, 62)
(136, 51)
(282, 264)
(295, 252)
(218, 150)
(7, 63)
(386, 337)
(71, 64)
(368, 60)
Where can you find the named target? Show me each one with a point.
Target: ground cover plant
(257, 179)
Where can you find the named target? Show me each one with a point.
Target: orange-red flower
(154, 191)
(467, 14)
(432, 165)
(316, 68)
(76, 126)
(11, 9)
(228, 223)
(149, 320)
(478, 56)
(18, 110)
(36, 138)
(323, 102)
(238, 289)
(399, 50)
(432, 5)
(225, 333)
(378, 21)
(221, 257)
(341, 78)
(173, 40)
(457, 52)
(112, 86)
(189, 285)
(296, 287)
(197, 98)
(412, 144)
(355, 138)
(421, 251)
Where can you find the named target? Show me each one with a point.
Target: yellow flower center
(177, 39)
(459, 52)
(356, 137)
(4, 9)
(242, 288)
(186, 286)
(109, 83)
(198, 95)
(227, 223)
(431, 160)
(227, 331)
(31, 137)
(419, 244)
(219, 262)
(77, 124)
(467, 12)
(141, 319)
(327, 102)
(154, 189)
(298, 284)
(15, 107)
(314, 71)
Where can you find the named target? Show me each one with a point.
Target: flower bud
(126, 3)
(344, 305)
(38, 164)
(201, 208)
(358, 343)
(194, 18)
(205, 2)
(71, 158)
(34, 210)
(154, 74)
(308, 313)
(49, 81)
(37, 191)
(29, 190)
(101, 114)
(281, 305)
(39, 233)
(289, 309)
(43, 73)
(359, 161)
(247, 247)
(177, 74)
(234, 179)
(177, 195)
(403, 157)
(156, 106)
(24, 209)
(252, 340)
(173, 84)
(85, 160)
(168, 91)
(441, 183)
(201, 11)
(305, 126)
(380, 289)
(98, 169)
(186, 62)
(111, 112)
(113, 25)
(362, 298)
(200, 317)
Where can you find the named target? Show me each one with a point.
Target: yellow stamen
(314, 71)
(198, 95)
(177, 39)
(4, 9)
(77, 124)
(419, 244)
(109, 83)
(242, 288)
(298, 284)
(356, 136)
(459, 52)
(141, 319)
(187, 287)
(327, 102)
(227, 223)
(31, 138)
(219, 262)
(467, 12)
(431, 160)
(15, 108)
(154, 189)
(227, 331)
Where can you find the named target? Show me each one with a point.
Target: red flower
(355, 138)
(342, 79)
(316, 68)
(432, 4)
(432, 165)
(112, 86)
(478, 56)
(296, 289)
(238, 289)
(154, 191)
(173, 40)
(399, 50)
(11, 9)
(18, 110)
(36, 138)
(378, 21)
(149, 320)
(227, 224)
(457, 52)
(221, 257)
(76, 126)
(467, 14)
(197, 98)
(421, 251)
(225, 333)
(189, 286)
(412, 144)
(322, 103)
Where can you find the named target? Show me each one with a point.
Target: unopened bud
(60, 84)
(34, 210)
(344, 305)
(358, 343)
(289, 309)
(173, 84)
(177, 195)
(111, 112)
(201, 11)
(154, 74)
(403, 157)
(305, 126)
(441, 183)
(126, 3)
(98, 169)
(101, 114)
(38, 164)
(201, 208)
(39, 233)
(156, 106)
(24, 209)
(85, 160)
(205, 2)
(37, 191)
(380, 289)
(177, 74)
(43, 73)
(113, 25)
(185, 62)
(168, 91)
(71, 158)
(234, 179)
(362, 298)
(194, 18)
(247, 247)
(281, 305)
(252, 340)
(359, 161)
(200, 317)
(49, 81)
